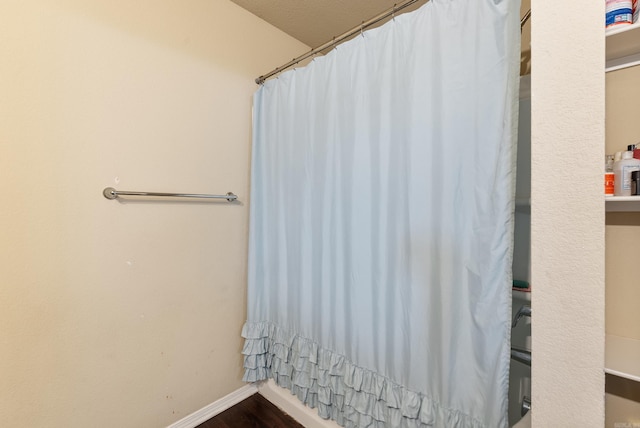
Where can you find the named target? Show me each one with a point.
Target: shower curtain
(381, 222)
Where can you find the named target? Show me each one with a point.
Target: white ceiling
(315, 22)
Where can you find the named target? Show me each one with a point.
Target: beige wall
(567, 213)
(622, 238)
(123, 314)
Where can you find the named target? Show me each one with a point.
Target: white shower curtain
(381, 222)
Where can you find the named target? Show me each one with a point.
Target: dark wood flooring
(254, 412)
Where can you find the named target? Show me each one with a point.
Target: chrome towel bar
(522, 356)
(111, 193)
(524, 311)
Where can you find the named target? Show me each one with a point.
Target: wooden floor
(254, 412)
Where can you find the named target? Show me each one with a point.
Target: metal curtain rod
(359, 29)
(111, 193)
(522, 356)
(524, 19)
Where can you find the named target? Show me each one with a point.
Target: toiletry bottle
(609, 176)
(617, 157)
(635, 183)
(618, 12)
(622, 170)
(636, 151)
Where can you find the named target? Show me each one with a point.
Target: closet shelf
(622, 203)
(623, 47)
(622, 357)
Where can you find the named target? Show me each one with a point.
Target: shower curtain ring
(393, 12)
(361, 29)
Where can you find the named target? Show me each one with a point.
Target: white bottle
(622, 170)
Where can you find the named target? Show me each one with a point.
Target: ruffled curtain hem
(352, 396)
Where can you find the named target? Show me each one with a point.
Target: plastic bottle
(622, 170)
(618, 12)
(635, 180)
(617, 157)
(608, 163)
(609, 176)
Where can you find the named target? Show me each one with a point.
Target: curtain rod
(359, 29)
(524, 19)
(355, 30)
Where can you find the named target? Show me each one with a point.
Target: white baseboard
(217, 407)
(290, 404)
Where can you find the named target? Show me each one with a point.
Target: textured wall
(567, 215)
(124, 314)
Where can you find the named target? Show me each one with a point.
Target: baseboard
(217, 407)
(290, 404)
